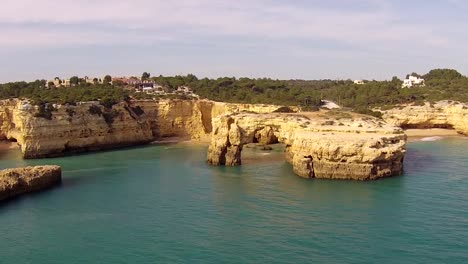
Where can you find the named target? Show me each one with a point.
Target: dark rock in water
(266, 148)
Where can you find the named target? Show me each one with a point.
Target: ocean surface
(163, 204)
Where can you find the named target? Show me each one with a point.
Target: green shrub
(110, 116)
(45, 111)
(284, 109)
(95, 110)
(366, 111)
(138, 110)
(70, 111)
(108, 102)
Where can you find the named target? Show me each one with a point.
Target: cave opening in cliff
(255, 153)
(426, 126)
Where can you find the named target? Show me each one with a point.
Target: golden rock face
(14, 182)
(443, 114)
(89, 126)
(357, 148)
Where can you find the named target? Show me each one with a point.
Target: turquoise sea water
(163, 204)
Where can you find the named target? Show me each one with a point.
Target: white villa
(184, 89)
(358, 82)
(413, 81)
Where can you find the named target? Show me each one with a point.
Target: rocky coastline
(18, 181)
(90, 126)
(338, 146)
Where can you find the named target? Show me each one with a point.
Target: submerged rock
(17, 181)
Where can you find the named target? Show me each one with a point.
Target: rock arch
(315, 148)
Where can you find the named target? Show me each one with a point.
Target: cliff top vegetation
(441, 84)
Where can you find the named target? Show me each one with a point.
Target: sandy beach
(417, 134)
(431, 132)
(6, 145)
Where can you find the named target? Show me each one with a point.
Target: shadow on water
(18, 200)
(418, 160)
(88, 152)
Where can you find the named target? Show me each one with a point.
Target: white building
(147, 89)
(184, 89)
(358, 82)
(330, 104)
(413, 81)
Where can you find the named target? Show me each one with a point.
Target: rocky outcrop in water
(14, 182)
(444, 114)
(357, 148)
(90, 126)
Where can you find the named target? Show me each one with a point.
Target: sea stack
(318, 145)
(18, 181)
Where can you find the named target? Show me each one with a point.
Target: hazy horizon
(362, 39)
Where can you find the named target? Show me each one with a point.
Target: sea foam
(431, 138)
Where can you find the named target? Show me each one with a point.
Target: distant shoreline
(413, 135)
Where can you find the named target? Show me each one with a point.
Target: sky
(290, 39)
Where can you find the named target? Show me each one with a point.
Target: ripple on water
(163, 205)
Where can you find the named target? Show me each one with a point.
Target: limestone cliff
(83, 127)
(443, 114)
(358, 148)
(90, 126)
(14, 182)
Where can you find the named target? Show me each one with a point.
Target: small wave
(432, 138)
(97, 169)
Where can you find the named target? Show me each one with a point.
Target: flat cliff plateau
(14, 182)
(444, 114)
(90, 126)
(317, 146)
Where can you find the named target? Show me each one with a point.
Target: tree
(118, 83)
(145, 76)
(74, 80)
(107, 79)
(413, 74)
(444, 74)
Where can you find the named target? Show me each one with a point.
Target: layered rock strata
(357, 148)
(90, 126)
(14, 182)
(444, 114)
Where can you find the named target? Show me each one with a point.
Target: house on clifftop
(413, 81)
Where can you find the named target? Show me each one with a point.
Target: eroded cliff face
(90, 126)
(443, 114)
(84, 127)
(358, 148)
(14, 182)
